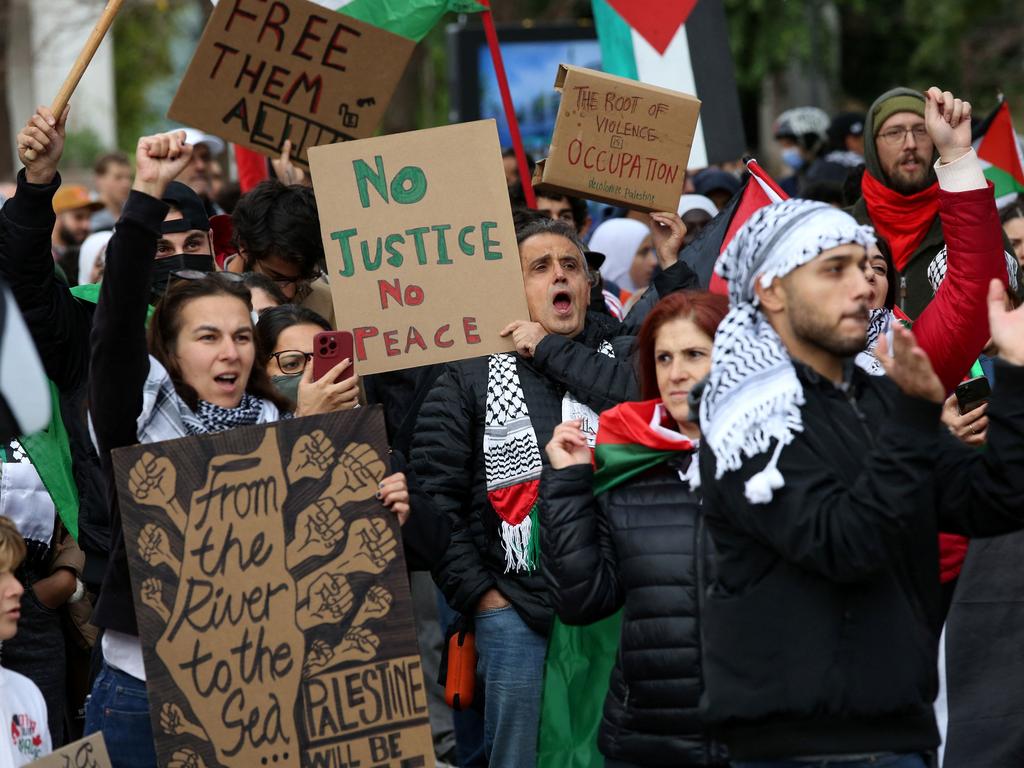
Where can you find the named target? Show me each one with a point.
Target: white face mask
(791, 156)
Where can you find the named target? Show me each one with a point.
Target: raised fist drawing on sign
(357, 474)
(319, 528)
(152, 482)
(312, 456)
(155, 548)
(328, 599)
(370, 547)
(186, 758)
(152, 595)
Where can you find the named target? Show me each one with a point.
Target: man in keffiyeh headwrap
(824, 491)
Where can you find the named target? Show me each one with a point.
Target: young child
(24, 735)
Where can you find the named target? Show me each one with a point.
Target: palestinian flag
(1000, 155)
(758, 190)
(682, 45)
(631, 439)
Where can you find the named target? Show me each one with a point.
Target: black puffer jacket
(819, 620)
(641, 547)
(448, 458)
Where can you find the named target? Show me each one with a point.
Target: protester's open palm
(948, 120)
(158, 161)
(568, 445)
(909, 367)
(1007, 328)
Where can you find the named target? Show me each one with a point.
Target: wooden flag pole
(506, 99)
(82, 63)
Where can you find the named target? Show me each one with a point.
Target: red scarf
(903, 220)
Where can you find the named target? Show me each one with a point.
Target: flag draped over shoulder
(630, 441)
(1000, 155)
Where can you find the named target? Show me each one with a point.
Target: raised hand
(948, 121)
(327, 394)
(568, 445)
(174, 722)
(328, 600)
(370, 547)
(312, 456)
(152, 596)
(155, 548)
(185, 758)
(41, 143)
(318, 530)
(909, 367)
(158, 161)
(394, 494)
(667, 234)
(152, 482)
(526, 335)
(357, 475)
(375, 605)
(1006, 327)
(359, 644)
(285, 170)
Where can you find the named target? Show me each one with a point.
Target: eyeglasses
(896, 136)
(292, 362)
(198, 274)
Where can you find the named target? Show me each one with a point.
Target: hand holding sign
(329, 598)
(318, 529)
(357, 475)
(312, 456)
(156, 549)
(152, 481)
(371, 546)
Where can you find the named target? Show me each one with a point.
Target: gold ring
(973, 430)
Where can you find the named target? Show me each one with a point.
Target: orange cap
(71, 197)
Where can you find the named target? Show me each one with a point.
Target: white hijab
(618, 240)
(89, 253)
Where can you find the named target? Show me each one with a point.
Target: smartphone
(972, 394)
(329, 349)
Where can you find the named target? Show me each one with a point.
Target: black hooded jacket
(820, 619)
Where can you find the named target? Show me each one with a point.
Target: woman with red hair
(629, 536)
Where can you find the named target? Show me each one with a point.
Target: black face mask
(162, 268)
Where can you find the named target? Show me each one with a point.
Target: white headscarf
(618, 240)
(688, 203)
(88, 254)
(753, 395)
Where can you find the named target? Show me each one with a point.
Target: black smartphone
(972, 394)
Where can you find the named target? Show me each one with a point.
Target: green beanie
(901, 103)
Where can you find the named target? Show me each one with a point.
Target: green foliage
(142, 57)
(765, 35)
(81, 148)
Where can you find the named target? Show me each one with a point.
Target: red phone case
(461, 680)
(329, 349)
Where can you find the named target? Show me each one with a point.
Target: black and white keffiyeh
(753, 395)
(937, 270)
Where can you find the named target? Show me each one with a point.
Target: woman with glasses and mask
(197, 373)
(285, 336)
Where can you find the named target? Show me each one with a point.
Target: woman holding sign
(198, 375)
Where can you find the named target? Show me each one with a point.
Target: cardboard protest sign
(90, 752)
(421, 249)
(620, 141)
(272, 598)
(268, 71)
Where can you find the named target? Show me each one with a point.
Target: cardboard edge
(563, 72)
(624, 81)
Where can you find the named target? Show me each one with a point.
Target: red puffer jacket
(953, 328)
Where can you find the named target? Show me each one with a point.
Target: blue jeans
(119, 707)
(510, 668)
(882, 761)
